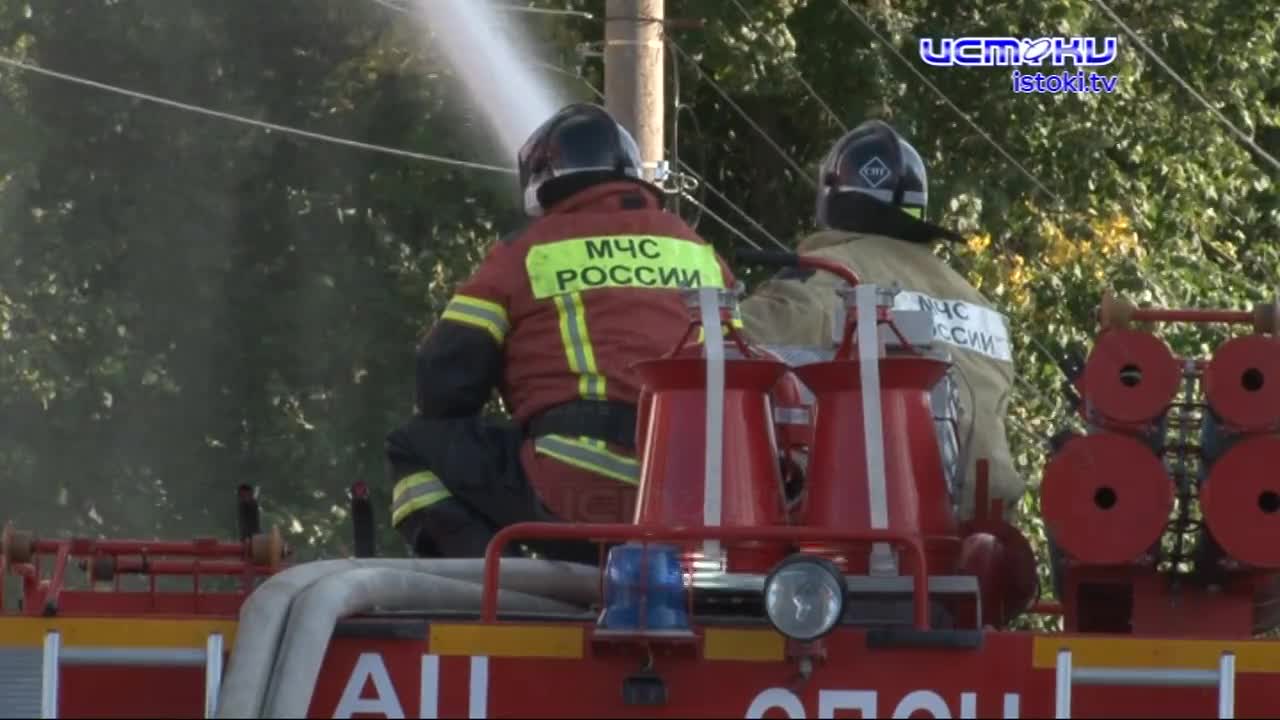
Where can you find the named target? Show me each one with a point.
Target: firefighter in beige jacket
(870, 208)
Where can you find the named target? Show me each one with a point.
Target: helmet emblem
(875, 172)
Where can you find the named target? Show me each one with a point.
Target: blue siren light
(659, 593)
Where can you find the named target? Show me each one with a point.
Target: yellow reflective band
(577, 346)
(416, 492)
(488, 316)
(736, 323)
(1252, 656)
(105, 632)
(591, 455)
(631, 261)
(743, 645)
(506, 641)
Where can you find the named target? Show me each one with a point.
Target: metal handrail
(912, 544)
(55, 656)
(1068, 676)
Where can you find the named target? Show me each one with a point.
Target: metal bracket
(883, 559)
(710, 301)
(644, 689)
(1067, 677)
(49, 665)
(212, 674)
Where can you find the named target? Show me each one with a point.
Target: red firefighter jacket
(560, 310)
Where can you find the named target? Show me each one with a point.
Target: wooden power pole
(633, 73)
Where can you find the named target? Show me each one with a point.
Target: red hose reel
(1106, 499)
(1130, 378)
(1242, 383)
(1241, 501)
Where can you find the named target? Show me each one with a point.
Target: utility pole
(633, 73)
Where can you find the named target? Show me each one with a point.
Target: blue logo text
(996, 51)
(1064, 82)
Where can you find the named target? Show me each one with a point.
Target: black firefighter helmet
(874, 160)
(580, 146)
(874, 181)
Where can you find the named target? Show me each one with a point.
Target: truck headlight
(804, 597)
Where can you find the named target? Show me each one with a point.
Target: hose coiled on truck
(286, 624)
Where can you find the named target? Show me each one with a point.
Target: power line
(1058, 201)
(504, 8)
(680, 164)
(978, 128)
(723, 198)
(250, 121)
(684, 167)
(743, 114)
(1036, 345)
(722, 221)
(600, 94)
(796, 69)
(391, 5)
(1044, 188)
(1187, 86)
(543, 11)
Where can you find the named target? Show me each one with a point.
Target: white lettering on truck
(866, 702)
(371, 669)
(369, 666)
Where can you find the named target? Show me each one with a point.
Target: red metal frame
(1103, 592)
(814, 262)
(625, 533)
(845, 671)
(202, 557)
(726, 322)
(1265, 318)
(1234, 317)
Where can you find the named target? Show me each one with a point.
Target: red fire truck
(732, 594)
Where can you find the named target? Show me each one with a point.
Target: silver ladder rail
(55, 656)
(1224, 678)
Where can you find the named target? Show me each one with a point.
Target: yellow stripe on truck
(743, 645)
(507, 641)
(115, 632)
(1251, 656)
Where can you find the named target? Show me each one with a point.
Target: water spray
(493, 63)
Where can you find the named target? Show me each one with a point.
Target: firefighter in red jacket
(554, 318)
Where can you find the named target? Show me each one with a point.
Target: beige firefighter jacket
(802, 312)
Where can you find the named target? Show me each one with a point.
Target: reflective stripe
(589, 454)
(416, 492)
(577, 346)
(488, 316)
(735, 322)
(791, 416)
(909, 197)
(615, 261)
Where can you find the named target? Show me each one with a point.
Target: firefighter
(554, 318)
(873, 192)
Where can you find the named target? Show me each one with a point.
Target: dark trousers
(477, 460)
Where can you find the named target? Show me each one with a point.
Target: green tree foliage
(187, 303)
